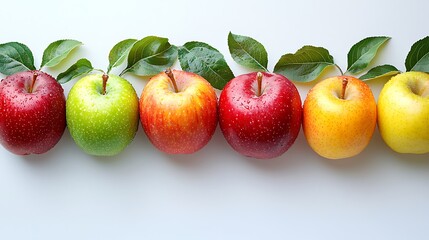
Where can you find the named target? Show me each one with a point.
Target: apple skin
(182, 122)
(338, 128)
(102, 125)
(262, 126)
(403, 113)
(31, 123)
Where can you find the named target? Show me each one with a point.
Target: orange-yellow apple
(178, 111)
(340, 115)
(403, 110)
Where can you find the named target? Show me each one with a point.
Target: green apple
(403, 113)
(102, 114)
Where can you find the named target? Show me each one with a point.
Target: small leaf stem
(173, 80)
(123, 72)
(33, 82)
(105, 78)
(259, 79)
(343, 92)
(341, 71)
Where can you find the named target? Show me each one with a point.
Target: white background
(215, 193)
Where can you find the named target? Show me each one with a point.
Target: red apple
(260, 114)
(32, 112)
(178, 111)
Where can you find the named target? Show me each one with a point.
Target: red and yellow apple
(178, 111)
(340, 115)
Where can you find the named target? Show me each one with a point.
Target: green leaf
(362, 53)
(15, 57)
(248, 52)
(58, 51)
(305, 65)
(418, 57)
(206, 61)
(119, 53)
(380, 71)
(150, 56)
(82, 66)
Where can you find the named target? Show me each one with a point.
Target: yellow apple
(339, 117)
(403, 110)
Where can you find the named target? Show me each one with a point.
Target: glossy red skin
(31, 122)
(260, 127)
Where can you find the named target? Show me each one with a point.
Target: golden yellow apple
(403, 110)
(339, 117)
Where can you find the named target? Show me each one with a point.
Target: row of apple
(260, 113)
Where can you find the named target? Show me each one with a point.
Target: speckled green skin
(102, 125)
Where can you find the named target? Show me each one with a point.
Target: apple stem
(173, 80)
(105, 77)
(343, 92)
(259, 79)
(33, 82)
